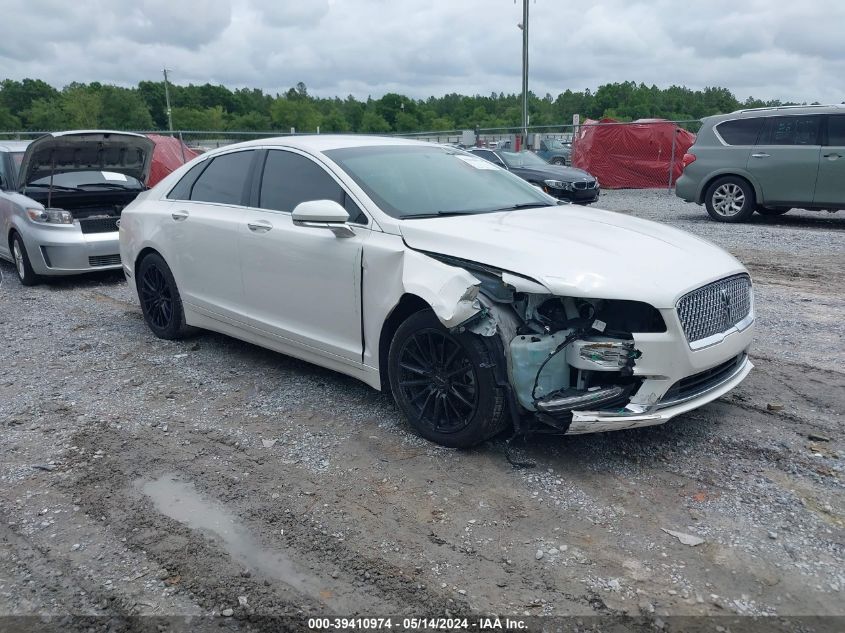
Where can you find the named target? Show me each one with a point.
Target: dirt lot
(142, 476)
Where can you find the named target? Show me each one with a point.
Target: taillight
(687, 160)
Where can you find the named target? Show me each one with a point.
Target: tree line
(32, 104)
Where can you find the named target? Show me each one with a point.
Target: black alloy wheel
(156, 297)
(160, 300)
(445, 383)
(438, 381)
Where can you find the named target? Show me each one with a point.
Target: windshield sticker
(475, 161)
(111, 175)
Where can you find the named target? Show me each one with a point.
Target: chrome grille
(715, 308)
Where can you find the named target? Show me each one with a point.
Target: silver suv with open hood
(59, 211)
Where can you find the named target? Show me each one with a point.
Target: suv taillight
(687, 160)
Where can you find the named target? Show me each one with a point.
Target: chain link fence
(639, 154)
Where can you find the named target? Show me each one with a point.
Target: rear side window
(836, 130)
(182, 190)
(793, 130)
(740, 131)
(291, 178)
(224, 180)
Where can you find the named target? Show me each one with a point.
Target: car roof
(13, 146)
(750, 113)
(325, 142)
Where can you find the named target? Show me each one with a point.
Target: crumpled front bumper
(600, 421)
(667, 358)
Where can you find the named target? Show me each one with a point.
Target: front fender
(392, 270)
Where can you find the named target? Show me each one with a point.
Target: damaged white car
(476, 299)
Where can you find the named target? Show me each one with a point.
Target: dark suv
(767, 160)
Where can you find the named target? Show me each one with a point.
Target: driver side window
(291, 178)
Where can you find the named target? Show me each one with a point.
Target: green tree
(124, 109)
(44, 115)
(373, 122)
(19, 96)
(8, 121)
(82, 106)
(199, 118)
(295, 113)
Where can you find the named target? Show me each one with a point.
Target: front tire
(730, 199)
(22, 264)
(558, 160)
(161, 303)
(444, 383)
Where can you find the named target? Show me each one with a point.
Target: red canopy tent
(169, 154)
(631, 155)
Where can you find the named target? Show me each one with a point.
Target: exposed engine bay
(97, 212)
(562, 353)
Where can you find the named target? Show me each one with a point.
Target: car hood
(63, 152)
(553, 172)
(579, 253)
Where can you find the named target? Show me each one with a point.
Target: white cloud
(764, 48)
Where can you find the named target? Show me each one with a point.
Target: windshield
(522, 159)
(93, 179)
(418, 181)
(553, 143)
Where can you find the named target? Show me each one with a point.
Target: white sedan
(480, 302)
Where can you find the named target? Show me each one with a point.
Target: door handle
(179, 216)
(760, 155)
(833, 156)
(261, 226)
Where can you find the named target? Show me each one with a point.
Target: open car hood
(63, 152)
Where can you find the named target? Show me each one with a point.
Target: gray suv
(767, 160)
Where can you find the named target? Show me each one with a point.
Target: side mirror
(323, 214)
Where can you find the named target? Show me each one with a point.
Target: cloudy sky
(779, 49)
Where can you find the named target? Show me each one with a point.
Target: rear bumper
(66, 250)
(687, 189)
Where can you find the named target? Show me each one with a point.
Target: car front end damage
(581, 365)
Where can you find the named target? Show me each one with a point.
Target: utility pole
(524, 27)
(167, 100)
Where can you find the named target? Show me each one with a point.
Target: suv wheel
(730, 199)
(558, 160)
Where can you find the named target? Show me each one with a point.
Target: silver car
(61, 197)
(767, 160)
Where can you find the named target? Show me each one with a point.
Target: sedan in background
(476, 299)
(564, 183)
(61, 200)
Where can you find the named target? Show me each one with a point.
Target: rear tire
(444, 383)
(161, 303)
(558, 160)
(730, 199)
(22, 264)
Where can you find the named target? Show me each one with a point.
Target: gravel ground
(212, 478)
